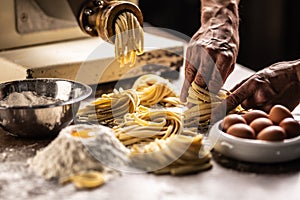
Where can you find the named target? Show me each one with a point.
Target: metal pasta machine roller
(74, 39)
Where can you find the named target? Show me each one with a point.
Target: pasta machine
(72, 39)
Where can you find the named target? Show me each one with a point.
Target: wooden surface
(228, 179)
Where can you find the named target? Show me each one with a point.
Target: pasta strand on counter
(85, 180)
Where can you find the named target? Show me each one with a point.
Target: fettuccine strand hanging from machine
(129, 39)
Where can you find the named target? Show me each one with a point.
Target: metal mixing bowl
(42, 120)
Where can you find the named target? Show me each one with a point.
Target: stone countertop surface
(228, 179)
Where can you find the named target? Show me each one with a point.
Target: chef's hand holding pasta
(212, 51)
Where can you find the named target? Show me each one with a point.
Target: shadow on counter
(274, 168)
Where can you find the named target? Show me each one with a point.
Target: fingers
(232, 101)
(245, 91)
(223, 67)
(184, 90)
(191, 67)
(263, 93)
(225, 64)
(289, 96)
(190, 71)
(206, 67)
(239, 84)
(216, 82)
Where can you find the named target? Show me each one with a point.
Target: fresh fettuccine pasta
(153, 89)
(203, 102)
(110, 107)
(176, 155)
(147, 125)
(162, 140)
(129, 39)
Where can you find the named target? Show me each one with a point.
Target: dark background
(269, 29)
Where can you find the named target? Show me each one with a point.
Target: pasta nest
(153, 89)
(110, 108)
(176, 155)
(146, 124)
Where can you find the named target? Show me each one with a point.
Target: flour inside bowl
(26, 98)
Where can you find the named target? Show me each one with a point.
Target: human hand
(212, 51)
(277, 84)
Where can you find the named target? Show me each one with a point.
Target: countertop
(228, 179)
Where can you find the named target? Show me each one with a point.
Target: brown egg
(241, 130)
(232, 119)
(278, 113)
(291, 127)
(254, 114)
(272, 133)
(260, 123)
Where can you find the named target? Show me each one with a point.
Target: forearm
(220, 23)
(282, 73)
(211, 9)
(289, 70)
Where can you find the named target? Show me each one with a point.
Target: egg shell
(260, 123)
(231, 119)
(278, 113)
(291, 127)
(254, 114)
(241, 130)
(272, 133)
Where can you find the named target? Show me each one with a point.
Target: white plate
(250, 150)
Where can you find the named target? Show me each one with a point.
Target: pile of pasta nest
(150, 120)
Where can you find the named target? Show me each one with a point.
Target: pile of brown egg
(278, 125)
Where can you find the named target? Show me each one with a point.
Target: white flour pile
(69, 154)
(26, 98)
